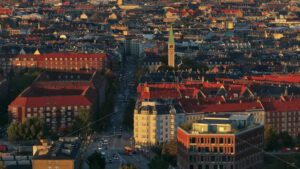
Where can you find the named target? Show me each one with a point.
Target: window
(193, 140)
(212, 140)
(212, 158)
(199, 166)
(202, 141)
(224, 158)
(221, 140)
(221, 150)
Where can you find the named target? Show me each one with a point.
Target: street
(118, 136)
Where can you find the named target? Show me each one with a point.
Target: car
(285, 150)
(100, 147)
(103, 153)
(110, 160)
(115, 156)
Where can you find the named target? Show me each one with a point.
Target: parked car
(285, 150)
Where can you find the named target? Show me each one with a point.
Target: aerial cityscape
(150, 84)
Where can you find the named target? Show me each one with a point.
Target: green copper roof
(171, 36)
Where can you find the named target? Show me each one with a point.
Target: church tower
(171, 49)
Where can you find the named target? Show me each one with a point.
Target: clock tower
(171, 49)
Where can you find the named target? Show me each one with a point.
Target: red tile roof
(6, 11)
(67, 55)
(190, 89)
(226, 107)
(272, 105)
(290, 78)
(51, 101)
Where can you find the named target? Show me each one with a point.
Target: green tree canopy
(285, 140)
(96, 161)
(30, 129)
(270, 138)
(298, 139)
(158, 163)
(2, 165)
(82, 124)
(128, 115)
(188, 63)
(128, 166)
(140, 71)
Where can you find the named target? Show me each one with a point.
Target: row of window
(211, 149)
(200, 166)
(96, 59)
(282, 114)
(204, 140)
(199, 158)
(53, 167)
(283, 119)
(70, 63)
(35, 109)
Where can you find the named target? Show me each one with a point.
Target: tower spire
(171, 36)
(171, 48)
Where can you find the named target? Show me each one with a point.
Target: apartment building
(55, 61)
(56, 105)
(156, 122)
(62, 61)
(221, 142)
(283, 114)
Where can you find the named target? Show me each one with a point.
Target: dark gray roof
(57, 151)
(215, 121)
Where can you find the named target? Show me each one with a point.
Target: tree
(171, 147)
(187, 63)
(165, 68)
(128, 115)
(140, 71)
(187, 125)
(128, 166)
(82, 122)
(298, 139)
(31, 129)
(158, 163)
(286, 140)
(2, 165)
(270, 138)
(96, 161)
